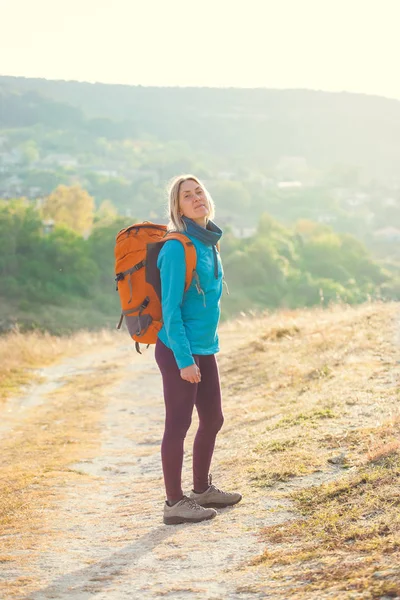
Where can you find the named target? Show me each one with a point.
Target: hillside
(311, 438)
(256, 126)
(332, 158)
(323, 166)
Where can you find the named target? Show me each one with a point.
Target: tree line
(62, 252)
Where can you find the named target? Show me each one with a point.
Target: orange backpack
(138, 278)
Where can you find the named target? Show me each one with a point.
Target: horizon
(215, 87)
(336, 46)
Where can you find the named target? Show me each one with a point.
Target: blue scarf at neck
(209, 236)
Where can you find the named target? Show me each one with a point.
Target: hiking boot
(187, 511)
(215, 497)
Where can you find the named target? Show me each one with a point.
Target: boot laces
(214, 488)
(191, 503)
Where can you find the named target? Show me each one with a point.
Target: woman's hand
(191, 374)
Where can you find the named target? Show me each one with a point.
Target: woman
(185, 353)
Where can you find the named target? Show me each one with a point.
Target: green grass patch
(281, 445)
(310, 417)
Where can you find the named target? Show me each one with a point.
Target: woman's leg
(179, 397)
(208, 404)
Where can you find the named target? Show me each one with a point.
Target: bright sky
(335, 45)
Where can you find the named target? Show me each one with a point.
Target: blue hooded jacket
(190, 319)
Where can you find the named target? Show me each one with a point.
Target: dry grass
(22, 353)
(35, 465)
(300, 388)
(354, 521)
(314, 392)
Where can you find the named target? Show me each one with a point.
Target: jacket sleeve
(171, 262)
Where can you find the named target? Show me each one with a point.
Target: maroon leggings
(180, 396)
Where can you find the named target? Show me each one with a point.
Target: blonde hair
(175, 220)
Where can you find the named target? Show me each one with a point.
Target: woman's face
(193, 202)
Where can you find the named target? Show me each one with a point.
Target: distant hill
(256, 126)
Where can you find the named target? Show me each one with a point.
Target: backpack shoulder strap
(190, 254)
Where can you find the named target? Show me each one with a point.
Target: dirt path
(109, 539)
